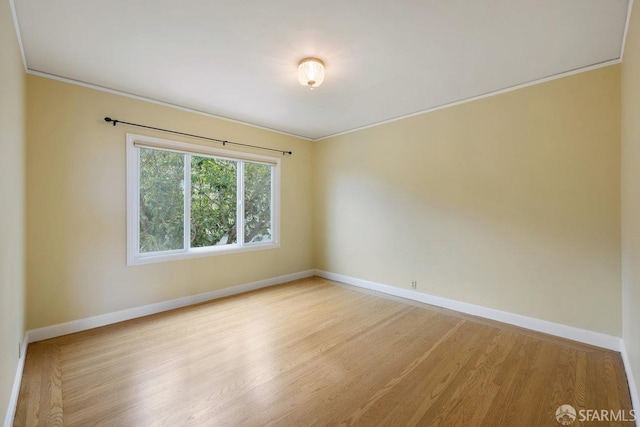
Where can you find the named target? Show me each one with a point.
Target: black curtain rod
(223, 142)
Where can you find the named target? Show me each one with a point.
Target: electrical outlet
(414, 284)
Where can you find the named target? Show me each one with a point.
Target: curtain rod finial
(109, 119)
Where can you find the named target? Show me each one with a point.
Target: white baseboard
(633, 389)
(132, 313)
(564, 331)
(13, 399)
(557, 329)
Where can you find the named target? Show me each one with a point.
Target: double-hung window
(186, 200)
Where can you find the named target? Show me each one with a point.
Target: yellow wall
(12, 188)
(631, 195)
(76, 211)
(510, 202)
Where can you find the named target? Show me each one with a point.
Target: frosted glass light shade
(311, 72)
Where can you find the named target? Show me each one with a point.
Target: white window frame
(134, 257)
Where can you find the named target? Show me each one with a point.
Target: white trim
(134, 141)
(78, 325)
(633, 390)
(156, 102)
(626, 30)
(569, 332)
(18, 34)
(406, 116)
(475, 98)
(17, 381)
(178, 255)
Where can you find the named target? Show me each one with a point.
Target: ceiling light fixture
(311, 72)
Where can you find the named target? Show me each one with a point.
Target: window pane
(257, 202)
(161, 200)
(213, 201)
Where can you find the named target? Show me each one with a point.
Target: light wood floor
(313, 352)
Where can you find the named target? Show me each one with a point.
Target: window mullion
(240, 203)
(187, 202)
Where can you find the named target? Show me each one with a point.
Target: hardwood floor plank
(390, 346)
(313, 352)
(42, 391)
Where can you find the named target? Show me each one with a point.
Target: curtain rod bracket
(109, 119)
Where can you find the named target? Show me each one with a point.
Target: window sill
(198, 253)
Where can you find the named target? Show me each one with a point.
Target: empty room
(219, 213)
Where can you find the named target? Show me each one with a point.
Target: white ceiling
(384, 59)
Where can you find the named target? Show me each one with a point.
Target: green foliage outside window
(213, 201)
(161, 200)
(257, 202)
